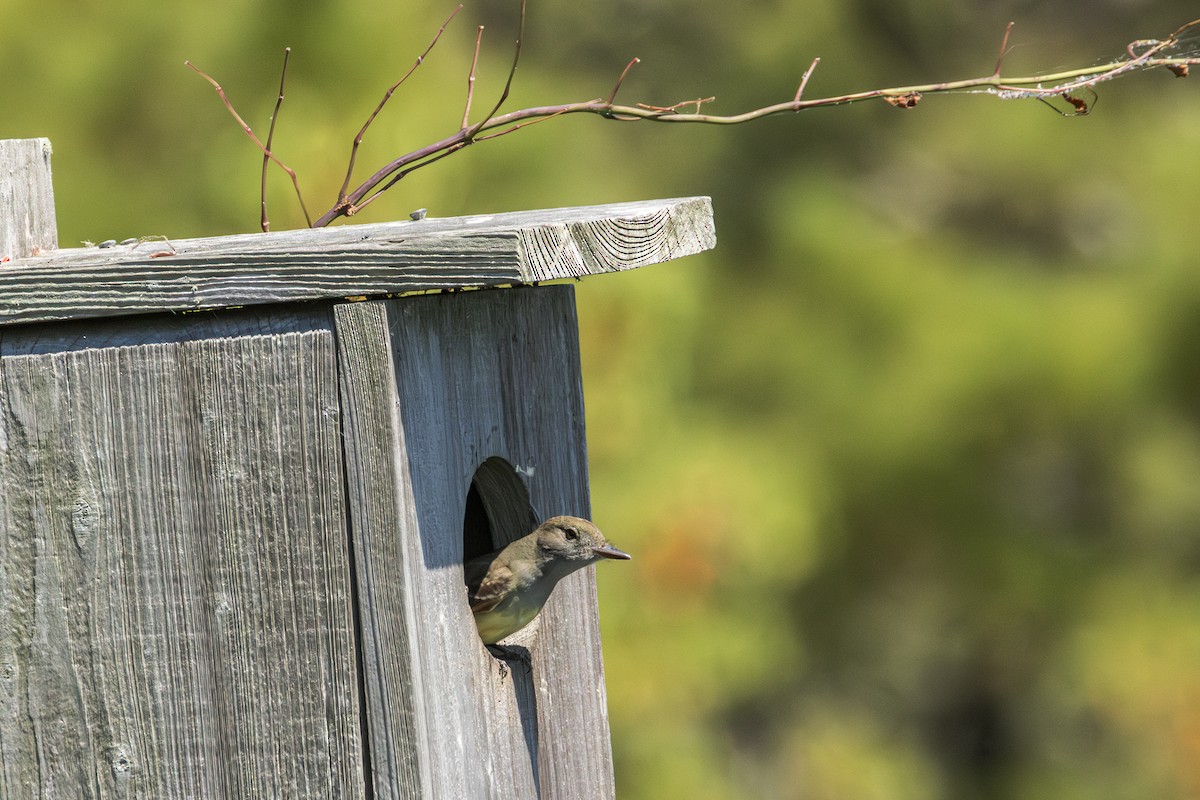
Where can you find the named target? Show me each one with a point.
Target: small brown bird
(507, 588)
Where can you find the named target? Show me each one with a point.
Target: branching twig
(388, 96)
(1066, 85)
(348, 205)
(1045, 85)
(249, 132)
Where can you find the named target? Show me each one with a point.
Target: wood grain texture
(378, 498)
(27, 225)
(476, 374)
(178, 618)
(353, 260)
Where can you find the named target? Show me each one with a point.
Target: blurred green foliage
(910, 464)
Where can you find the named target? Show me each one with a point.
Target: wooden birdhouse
(238, 480)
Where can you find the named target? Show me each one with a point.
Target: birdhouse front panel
(475, 377)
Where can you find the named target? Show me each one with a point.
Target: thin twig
(249, 132)
(613, 95)
(466, 122)
(512, 71)
(266, 220)
(804, 79)
(1003, 49)
(387, 96)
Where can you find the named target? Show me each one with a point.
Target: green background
(909, 464)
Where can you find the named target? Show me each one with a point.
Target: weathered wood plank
(178, 618)
(378, 497)
(27, 225)
(353, 260)
(475, 374)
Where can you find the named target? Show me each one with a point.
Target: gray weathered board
(175, 579)
(26, 199)
(231, 541)
(352, 260)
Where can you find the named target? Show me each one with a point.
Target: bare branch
(388, 96)
(250, 132)
(1072, 90)
(266, 220)
(1040, 86)
(1064, 85)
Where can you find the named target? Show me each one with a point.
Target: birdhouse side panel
(173, 562)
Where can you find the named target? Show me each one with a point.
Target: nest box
(238, 479)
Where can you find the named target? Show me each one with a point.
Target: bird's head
(572, 539)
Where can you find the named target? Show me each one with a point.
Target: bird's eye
(571, 534)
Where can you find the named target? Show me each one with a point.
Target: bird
(508, 587)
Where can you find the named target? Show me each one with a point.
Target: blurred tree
(910, 465)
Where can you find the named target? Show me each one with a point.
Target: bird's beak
(608, 551)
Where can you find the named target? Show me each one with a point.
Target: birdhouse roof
(154, 274)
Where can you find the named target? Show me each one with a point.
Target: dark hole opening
(497, 509)
(477, 531)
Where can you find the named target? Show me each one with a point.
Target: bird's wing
(491, 588)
